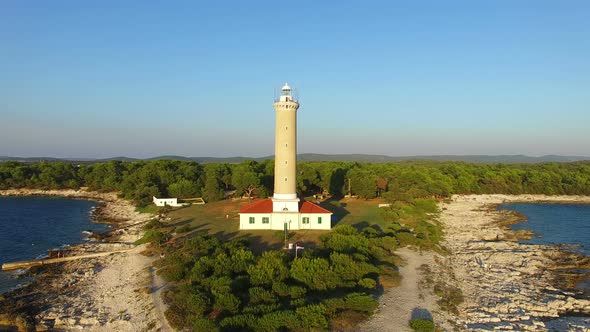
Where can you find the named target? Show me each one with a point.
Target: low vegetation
(422, 325)
(225, 286)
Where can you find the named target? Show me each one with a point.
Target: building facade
(285, 209)
(166, 201)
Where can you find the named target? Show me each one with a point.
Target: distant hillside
(507, 159)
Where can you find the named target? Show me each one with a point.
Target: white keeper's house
(285, 209)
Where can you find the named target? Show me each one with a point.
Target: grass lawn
(356, 212)
(222, 220)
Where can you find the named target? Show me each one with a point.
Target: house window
(319, 220)
(265, 220)
(251, 220)
(306, 220)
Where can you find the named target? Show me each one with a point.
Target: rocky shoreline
(507, 285)
(111, 293)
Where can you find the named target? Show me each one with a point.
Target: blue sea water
(29, 226)
(556, 223)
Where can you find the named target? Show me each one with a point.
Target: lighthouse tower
(285, 210)
(285, 194)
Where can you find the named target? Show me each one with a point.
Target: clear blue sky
(196, 78)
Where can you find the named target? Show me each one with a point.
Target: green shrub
(278, 320)
(261, 295)
(312, 317)
(367, 283)
(297, 302)
(422, 325)
(280, 288)
(226, 302)
(152, 236)
(315, 273)
(204, 325)
(450, 297)
(238, 322)
(261, 308)
(270, 267)
(360, 302)
(406, 239)
(296, 292)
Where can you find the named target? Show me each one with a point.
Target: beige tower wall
(286, 150)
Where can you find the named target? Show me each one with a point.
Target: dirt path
(400, 304)
(158, 287)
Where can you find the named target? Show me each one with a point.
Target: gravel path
(158, 287)
(399, 304)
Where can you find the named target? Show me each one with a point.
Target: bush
(406, 239)
(315, 273)
(270, 267)
(368, 283)
(274, 321)
(450, 297)
(152, 236)
(312, 317)
(238, 322)
(422, 325)
(261, 295)
(360, 302)
(204, 325)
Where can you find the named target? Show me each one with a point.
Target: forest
(140, 180)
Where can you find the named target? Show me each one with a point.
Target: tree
(246, 178)
(362, 182)
(270, 267)
(213, 190)
(183, 189)
(315, 273)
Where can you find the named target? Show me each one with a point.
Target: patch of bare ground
(412, 298)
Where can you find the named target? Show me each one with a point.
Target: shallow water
(556, 224)
(29, 226)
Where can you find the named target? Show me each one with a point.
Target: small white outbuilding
(166, 201)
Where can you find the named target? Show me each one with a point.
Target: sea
(29, 226)
(557, 224)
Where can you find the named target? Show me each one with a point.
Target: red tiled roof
(309, 207)
(260, 206)
(265, 206)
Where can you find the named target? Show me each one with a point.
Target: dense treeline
(139, 181)
(224, 286)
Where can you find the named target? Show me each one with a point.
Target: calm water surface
(557, 224)
(29, 226)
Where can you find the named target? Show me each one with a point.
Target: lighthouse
(285, 210)
(285, 198)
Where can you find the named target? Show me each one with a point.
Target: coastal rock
(506, 284)
(94, 294)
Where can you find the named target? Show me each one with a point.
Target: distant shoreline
(86, 300)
